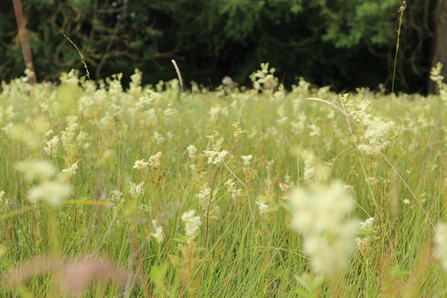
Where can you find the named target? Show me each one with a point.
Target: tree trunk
(440, 43)
(26, 50)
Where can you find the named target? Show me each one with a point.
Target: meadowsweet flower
(140, 164)
(52, 146)
(71, 171)
(263, 208)
(168, 112)
(41, 170)
(246, 159)
(155, 161)
(157, 231)
(320, 213)
(158, 138)
(116, 197)
(192, 150)
(203, 197)
(235, 192)
(53, 192)
(406, 201)
(136, 190)
(192, 224)
(315, 130)
(440, 240)
(216, 156)
(216, 111)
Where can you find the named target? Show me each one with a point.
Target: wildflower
(263, 208)
(140, 164)
(52, 146)
(216, 157)
(116, 197)
(235, 193)
(192, 150)
(53, 192)
(406, 201)
(320, 214)
(155, 161)
(158, 138)
(203, 197)
(192, 224)
(246, 159)
(157, 231)
(136, 190)
(216, 111)
(41, 170)
(315, 130)
(168, 112)
(71, 171)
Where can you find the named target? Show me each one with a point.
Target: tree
(344, 44)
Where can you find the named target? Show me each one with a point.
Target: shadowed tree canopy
(344, 44)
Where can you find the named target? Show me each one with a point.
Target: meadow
(154, 191)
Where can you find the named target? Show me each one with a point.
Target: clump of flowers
(192, 151)
(71, 171)
(136, 190)
(155, 161)
(378, 134)
(51, 188)
(366, 235)
(321, 213)
(264, 79)
(140, 164)
(192, 224)
(203, 197)
(157, 231)
(263, 208)
(216, 156)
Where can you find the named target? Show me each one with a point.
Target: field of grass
(158, 192)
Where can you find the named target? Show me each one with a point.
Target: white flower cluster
(192, 151)
(263, 208)
(51, 189)
(216, 156)
(157, 231)
(367, 228)
(140, 164)
(217, 111)
(52, 146)
(264, 78)
(235, 192)
(116, 197)
(136, 190)
(192, 224)
(246, 159)
(71, 171)
(155, 161)
(320, 213)
(203, 197)
(377, 133)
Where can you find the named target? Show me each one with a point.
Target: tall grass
(130, 240)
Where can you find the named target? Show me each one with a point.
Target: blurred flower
(192, 224)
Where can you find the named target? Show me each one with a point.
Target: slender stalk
(401, 11)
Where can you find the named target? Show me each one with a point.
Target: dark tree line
(344, 44)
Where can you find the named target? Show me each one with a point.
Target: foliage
(344, 44)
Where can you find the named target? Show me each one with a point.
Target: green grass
(238, 252)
